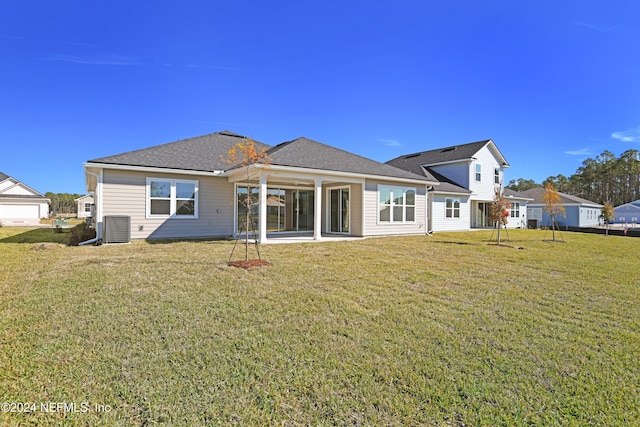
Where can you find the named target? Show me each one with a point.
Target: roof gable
(203, 153)
(306, 153)
(11, 187)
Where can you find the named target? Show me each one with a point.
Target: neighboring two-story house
(468, 176)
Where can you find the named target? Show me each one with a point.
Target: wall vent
(117, 229)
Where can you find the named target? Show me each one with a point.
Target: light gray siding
(374, 228)
(124, 193)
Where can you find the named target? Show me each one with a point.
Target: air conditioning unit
(116, 229)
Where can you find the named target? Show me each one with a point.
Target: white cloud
(598, 27)
(390, 142)
(89, 60)
(630, 135)
(580, 152)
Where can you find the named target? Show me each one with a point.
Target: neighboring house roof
(511, 194)
(566, 199)
(450, 154)
(631, 205)
(203, 153)
(306, 153)
(207, 153)
(18, 190)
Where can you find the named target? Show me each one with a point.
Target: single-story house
(469, 175)
(186, 189)
(84, 206)
(579, 212)
(628, 214)
(21, 204)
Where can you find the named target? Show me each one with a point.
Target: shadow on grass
(451, 242)
(39, 235)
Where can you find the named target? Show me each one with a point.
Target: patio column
(317, 214)
(263, 209)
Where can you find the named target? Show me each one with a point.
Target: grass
(444, 330)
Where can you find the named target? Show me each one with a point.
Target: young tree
(607, 214)
(499, 210)
(246, 155)
(553, 205)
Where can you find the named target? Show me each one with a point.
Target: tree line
(606, 178)
(63, 203)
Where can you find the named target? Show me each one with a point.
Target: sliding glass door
(339, 210)
(288, 209)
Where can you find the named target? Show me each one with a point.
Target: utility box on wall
(116, 229)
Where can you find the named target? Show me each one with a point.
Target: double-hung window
(452, 208)
(172, 198)
(478, 172)
(396, 204)
(496, 176)
(515, 210)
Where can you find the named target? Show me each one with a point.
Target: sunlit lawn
(441, 330)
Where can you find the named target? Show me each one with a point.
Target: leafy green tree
(522, 184)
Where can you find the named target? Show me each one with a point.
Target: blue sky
(551, 82)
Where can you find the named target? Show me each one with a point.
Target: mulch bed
(249, 264)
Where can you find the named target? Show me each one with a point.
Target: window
(396, 204)
(515, 210)
(172, 197)
(496, 176)
(87, 207)
(478, 172)
(452, 208)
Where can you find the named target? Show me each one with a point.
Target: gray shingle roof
(566, 199)
(202, 153)
(440, 155)
(207, 153)
(306, 153)
(3, 176)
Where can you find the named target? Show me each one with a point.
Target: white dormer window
(478, 172)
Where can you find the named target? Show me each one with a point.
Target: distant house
(628, 214)
(579, 212)
(21, 204)
(84, 205)
(468, 176)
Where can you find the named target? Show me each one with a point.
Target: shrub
(80, 233)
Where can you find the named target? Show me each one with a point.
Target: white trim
(312, 174)
(173, 198)
(391, 205)
(149, 169)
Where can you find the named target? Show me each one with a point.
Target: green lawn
(444, 330)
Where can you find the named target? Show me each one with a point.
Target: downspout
(98, 211)
(428, 209)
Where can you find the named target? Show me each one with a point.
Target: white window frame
(478, 172)
(173, 199)
(392, 204)
(87, 207)
(496, 176)
(515, 210)
(453, 209)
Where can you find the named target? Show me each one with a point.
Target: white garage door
(19, 211)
